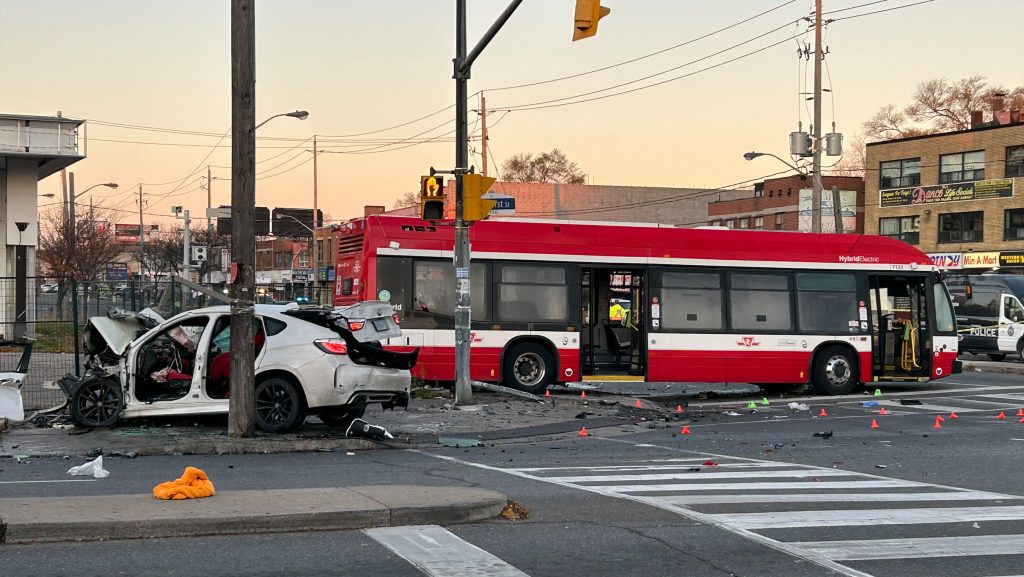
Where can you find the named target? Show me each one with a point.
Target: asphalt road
(633, 500)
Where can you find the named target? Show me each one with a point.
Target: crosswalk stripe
(681, 465)
(930, 407)
(1014, 396)
(805, 485)
(870, 517)
(915, 548)
(440, 553)
(684, 500)
(724, 475)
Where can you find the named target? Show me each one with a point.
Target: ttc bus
(705, 304)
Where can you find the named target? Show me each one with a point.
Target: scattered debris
(457, 442)
(93, 468)
(514, 511)
(193, 484)
(22, 459)
(910, 402)
(798, 407)
(870, 403)
(507, 391)
(96, 452)
(731, 413)
(584, 415)
(823, 434)
(881, 466)
(360, 428)
(976, 525)
(710, 464)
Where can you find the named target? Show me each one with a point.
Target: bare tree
(406, 200)
(552, 167)
(78, 250)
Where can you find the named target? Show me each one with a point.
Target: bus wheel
(997, 356)
(529, 367)
(835, 371)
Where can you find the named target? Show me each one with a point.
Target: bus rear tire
(835, 371)
(529, 367)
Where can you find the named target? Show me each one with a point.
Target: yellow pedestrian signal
(474, 186)
(431, 198)
(588, 12)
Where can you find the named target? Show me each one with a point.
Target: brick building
(785, 204)
(679, 206)
(956, 195)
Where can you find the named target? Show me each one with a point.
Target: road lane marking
(930, 407)
(915, 548)
(870, 517)
(706, 475)
(1013, 396)
(440, 553)
(768, 486)
(833, 497)
(48, 481)
(682, 464)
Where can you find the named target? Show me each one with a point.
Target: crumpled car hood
(119, 328)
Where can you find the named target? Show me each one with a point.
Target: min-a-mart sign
(980, 190)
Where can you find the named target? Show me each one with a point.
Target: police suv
(989, 315)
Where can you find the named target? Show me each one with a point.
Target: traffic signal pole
(463, 64)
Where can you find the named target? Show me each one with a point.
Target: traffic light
(474, 186)
(431, 198)
(588, 12)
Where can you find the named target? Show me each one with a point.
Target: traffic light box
(474, 186)
(588, 12)
(431, 198)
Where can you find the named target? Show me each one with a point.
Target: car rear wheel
(529, 367)
(835, 371)
(97, 403)
(279, 407)
(342, 417)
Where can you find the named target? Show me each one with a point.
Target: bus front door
(899, 329)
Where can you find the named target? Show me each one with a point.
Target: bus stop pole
(463, 303)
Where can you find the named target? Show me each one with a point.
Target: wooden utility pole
(483, 133)
(837, 210)
(314, 281)
(816, 129)
(241, 411)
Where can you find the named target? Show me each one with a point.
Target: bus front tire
(529, 367)
(835, 371)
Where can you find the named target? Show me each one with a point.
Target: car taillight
(331, 346)
(356, 325)
(395, 316)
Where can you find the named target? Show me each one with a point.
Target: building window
(900, 173)
(962, 166)
(714, 222)
(1014, 161)
(759, 222)
(780, 219)
(1014, 227)
(962, 227)
(905, 228)
(731, 223)
(744, 222)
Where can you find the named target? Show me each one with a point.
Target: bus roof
(635, 243)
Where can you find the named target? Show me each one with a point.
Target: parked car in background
(308, 360)
(48, 288)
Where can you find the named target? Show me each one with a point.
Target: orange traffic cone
(883, 411)
(823, 413)
(583, 394)
(874, 424)
(938, 422)
(547, 392)
(679, 408)
(1001, 415)
(637, 404)
(685, 431)
(952, 415)
(1021, 420)
(583, 432)
(1020, 412)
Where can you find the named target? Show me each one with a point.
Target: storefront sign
(1011, 259)
(981, 259)
(947, 260)
(980, 190)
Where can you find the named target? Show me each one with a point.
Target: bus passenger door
(899, 329)
(1011, 323)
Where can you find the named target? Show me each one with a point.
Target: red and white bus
(704, 305)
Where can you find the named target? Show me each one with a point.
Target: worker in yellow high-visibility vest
(616, 312)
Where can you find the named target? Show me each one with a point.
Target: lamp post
(241, 409)
(72, 196)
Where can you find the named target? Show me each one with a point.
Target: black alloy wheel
(279, 407)
(97, 403)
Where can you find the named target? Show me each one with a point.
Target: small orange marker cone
(883, 412)
(938, 422)
(823, 413)
(583, 394)
(952, 415)
(939, 418)
(685, 431)
(583, 432)
(547, 392)
(637, 404)
(1022, 420)
(679, 408)
(1020, 412)
(1001, 415)
(874, 424)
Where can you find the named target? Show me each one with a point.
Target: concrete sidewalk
(45, 519)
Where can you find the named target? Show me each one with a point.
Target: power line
(880, 11)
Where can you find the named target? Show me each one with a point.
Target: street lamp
(300, 114)
(802, 171)
(72, 196)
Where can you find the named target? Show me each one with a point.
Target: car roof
(261, 310)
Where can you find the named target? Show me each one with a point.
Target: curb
(94, 518)
(1005, 370)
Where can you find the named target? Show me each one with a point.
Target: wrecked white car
(324, 361)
